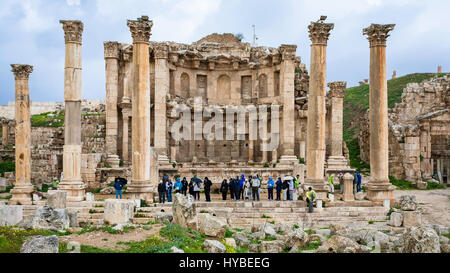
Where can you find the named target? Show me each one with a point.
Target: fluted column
(162, 79)
(125, 128)
(141, 187)
(112, 50)
(5, 133)
(287, 80)
(71, 182)
(315, 141)
(379, 188)
(336, 160)
(21, 194)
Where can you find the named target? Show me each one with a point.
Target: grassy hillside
(356, 103)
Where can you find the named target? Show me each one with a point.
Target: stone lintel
(337, 89)
(73, 30)
(377, 34)
(319, 32)
(140, 29)
(112, 49)
(22, 71)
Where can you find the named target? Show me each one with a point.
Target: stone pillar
(348, 188)
(5, 133)
(303, 149)
(439, 70)
(71, 182)
(379, 188)
(287, 80)
(141, 187)
(125, 128)
(315, 140)
(21, 194)
(162, 79)
(112, 50)
(251, 140)
(336, 160)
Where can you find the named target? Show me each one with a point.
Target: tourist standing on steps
(310, 197)
(260, 184)
(284, 190)
(270, 185)
(255, 187)
(297, 184)
(161, 192)
(241, 185)
(232, 189)
(118, 185)
(341, 182)
(358, 184)
(178, 186)
(197, 188)
(331, 182)
(291, 190)
(247, 189)
(169, 189)
(185, 186)
(191, 187)
(279, 187)
(224, 189)
(207, 189)
(237, 187)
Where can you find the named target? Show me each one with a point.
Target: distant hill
(356, 103)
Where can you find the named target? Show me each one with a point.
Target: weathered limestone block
(268, 229)
(2, 183)
(10, 215)
(90, 197)
(254, 248)
(174, 249)
(47, 218)
(408, 202)
(118, 211)
(57, 199)
(412, 218)
(338, 244)
(422, 185)
(212, 226)
(241, 238)
(183, 209)
(41, 244)
(297, 238)
(396, 219)
(272, 246)
(421, 240)
(74, 247)
(230, 242)
(73, 218)
(213, 246)
(163, 217)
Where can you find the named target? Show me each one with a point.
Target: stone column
(162, 79)
(251, 140)
(379, 188)
(21, 194)
(141, 187)
(315, 140)
(348, 188)
(5, 133)
(303, 149)
(336, 160)
(71, 182)
(439, 70)
(125, 128)
(112, 50)
(287, 79)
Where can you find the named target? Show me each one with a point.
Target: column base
(320, 186)
(163, 160)
(21, 195)
(378, 191)
(288, 159)
(140, 190)
(113, 161)
(75, 190)
(337, 163)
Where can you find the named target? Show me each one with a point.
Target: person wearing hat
(161, 192)
(270, 185)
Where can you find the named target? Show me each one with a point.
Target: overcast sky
(30, 33)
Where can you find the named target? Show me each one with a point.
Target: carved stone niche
(211, 65)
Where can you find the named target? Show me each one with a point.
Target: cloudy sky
(30, 33)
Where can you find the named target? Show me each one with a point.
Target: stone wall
(418, 131)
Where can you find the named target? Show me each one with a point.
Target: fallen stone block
(412, 218)
(408, 202)
(421, 240)
(213, 246)
(396, 219)
(118, 211)
(10, 215)
(57, 199)
(41, 244)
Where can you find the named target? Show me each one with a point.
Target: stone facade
(418, 132)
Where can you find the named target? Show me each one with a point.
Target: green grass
(44, 120)
(228, 233)
(8, 189)
(311, 246)
(435, 186)
(265, 217)
(7, 166)
(401, 184)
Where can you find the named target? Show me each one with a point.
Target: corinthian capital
(161, 51)
(337, 89)
(319, 32)
(288, 52)
(112, 49)
(140, 29)
(377, 34)
(73, 31)
(21, 71)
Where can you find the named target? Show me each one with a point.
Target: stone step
(142, 220)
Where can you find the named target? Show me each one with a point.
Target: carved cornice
(288, 52)
(140, 29)
(73, 31)
(337, 89)
(377, 34)
(21, 71)
(319, 32)
(112, 50)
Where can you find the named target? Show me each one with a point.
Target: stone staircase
(247, 214)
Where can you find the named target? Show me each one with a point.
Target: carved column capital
(377, 34)
(319, 32)
(73, 31)
(161, 51)
(140, 29)
(112, 49)
(288, 52)
(337, 89)
(21, 71)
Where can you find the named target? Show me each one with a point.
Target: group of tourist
(357, 179)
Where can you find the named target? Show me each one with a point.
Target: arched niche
(224, 87)
(185, 85)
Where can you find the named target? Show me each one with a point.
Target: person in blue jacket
(241, 185)
(118, 185)
(178, 186)
(279, 187)
(358, 185)
(270, 185)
